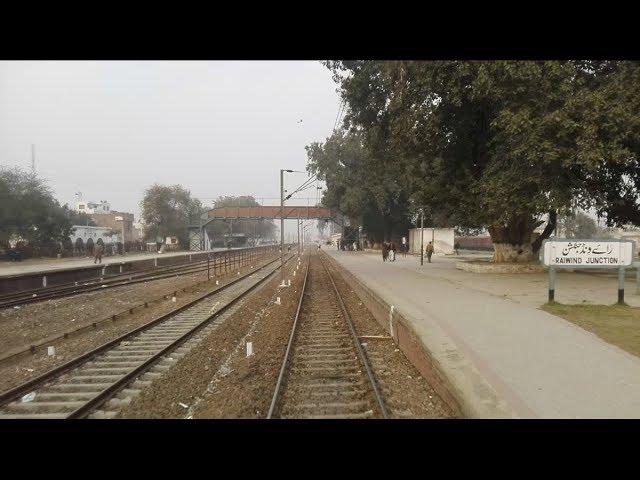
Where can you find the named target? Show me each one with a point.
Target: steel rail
(16, 392)
(356, 341)
(283, 368)
(361, 354)
(104, 278)
(65, 290)
(102, 397)
(93, 325)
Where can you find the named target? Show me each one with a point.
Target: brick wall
(109, 220)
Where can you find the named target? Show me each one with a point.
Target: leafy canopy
(501, 143)
(28, 210)
(168, 210)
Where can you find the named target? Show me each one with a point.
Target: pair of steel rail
(286, 364)
(116, 382)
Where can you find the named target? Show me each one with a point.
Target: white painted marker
(249, 349)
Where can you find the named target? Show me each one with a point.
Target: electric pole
(282, 223)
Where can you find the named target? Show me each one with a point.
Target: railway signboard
(576, 253)
(588, 253)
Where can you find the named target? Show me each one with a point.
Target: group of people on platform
(390, 250)
(348, 246)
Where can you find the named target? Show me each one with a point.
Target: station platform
(45, 265)
(500, 355)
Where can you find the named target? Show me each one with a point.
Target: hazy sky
(111, 129)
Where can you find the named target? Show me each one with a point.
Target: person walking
(429, 251)
(98, 250)
(456, 247)
(392, 252)
(385, 251)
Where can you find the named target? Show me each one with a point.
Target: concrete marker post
(621, 286)
(391, 309)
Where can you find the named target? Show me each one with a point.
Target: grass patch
(616, 324)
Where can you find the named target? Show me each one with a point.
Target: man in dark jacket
(98, 250)
(429, 251)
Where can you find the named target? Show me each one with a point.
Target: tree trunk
(548, 230)
(512, 253)
(512, 242)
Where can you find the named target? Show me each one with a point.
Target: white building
(443, 240)
(94, 233)
(93, 207)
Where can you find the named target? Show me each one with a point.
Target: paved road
(505, 358)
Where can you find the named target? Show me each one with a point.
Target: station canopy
(262, 212)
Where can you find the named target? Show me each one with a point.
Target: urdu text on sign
(588, 253)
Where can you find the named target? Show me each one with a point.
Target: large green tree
(360, 185)
(28, 210)
(169, 210)
(503, 144)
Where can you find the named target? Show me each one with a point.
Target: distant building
(114, 221)
(103, 216)
(108, 235)
(92, 207)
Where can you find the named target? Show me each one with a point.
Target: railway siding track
(78, 388)
(325, 373)
(34, 347)
(218, 263)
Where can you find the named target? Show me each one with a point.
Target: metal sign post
(576, 253)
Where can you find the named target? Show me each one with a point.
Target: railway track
(79, 388)
(43, 344)
(117, 280)
(325, 372)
